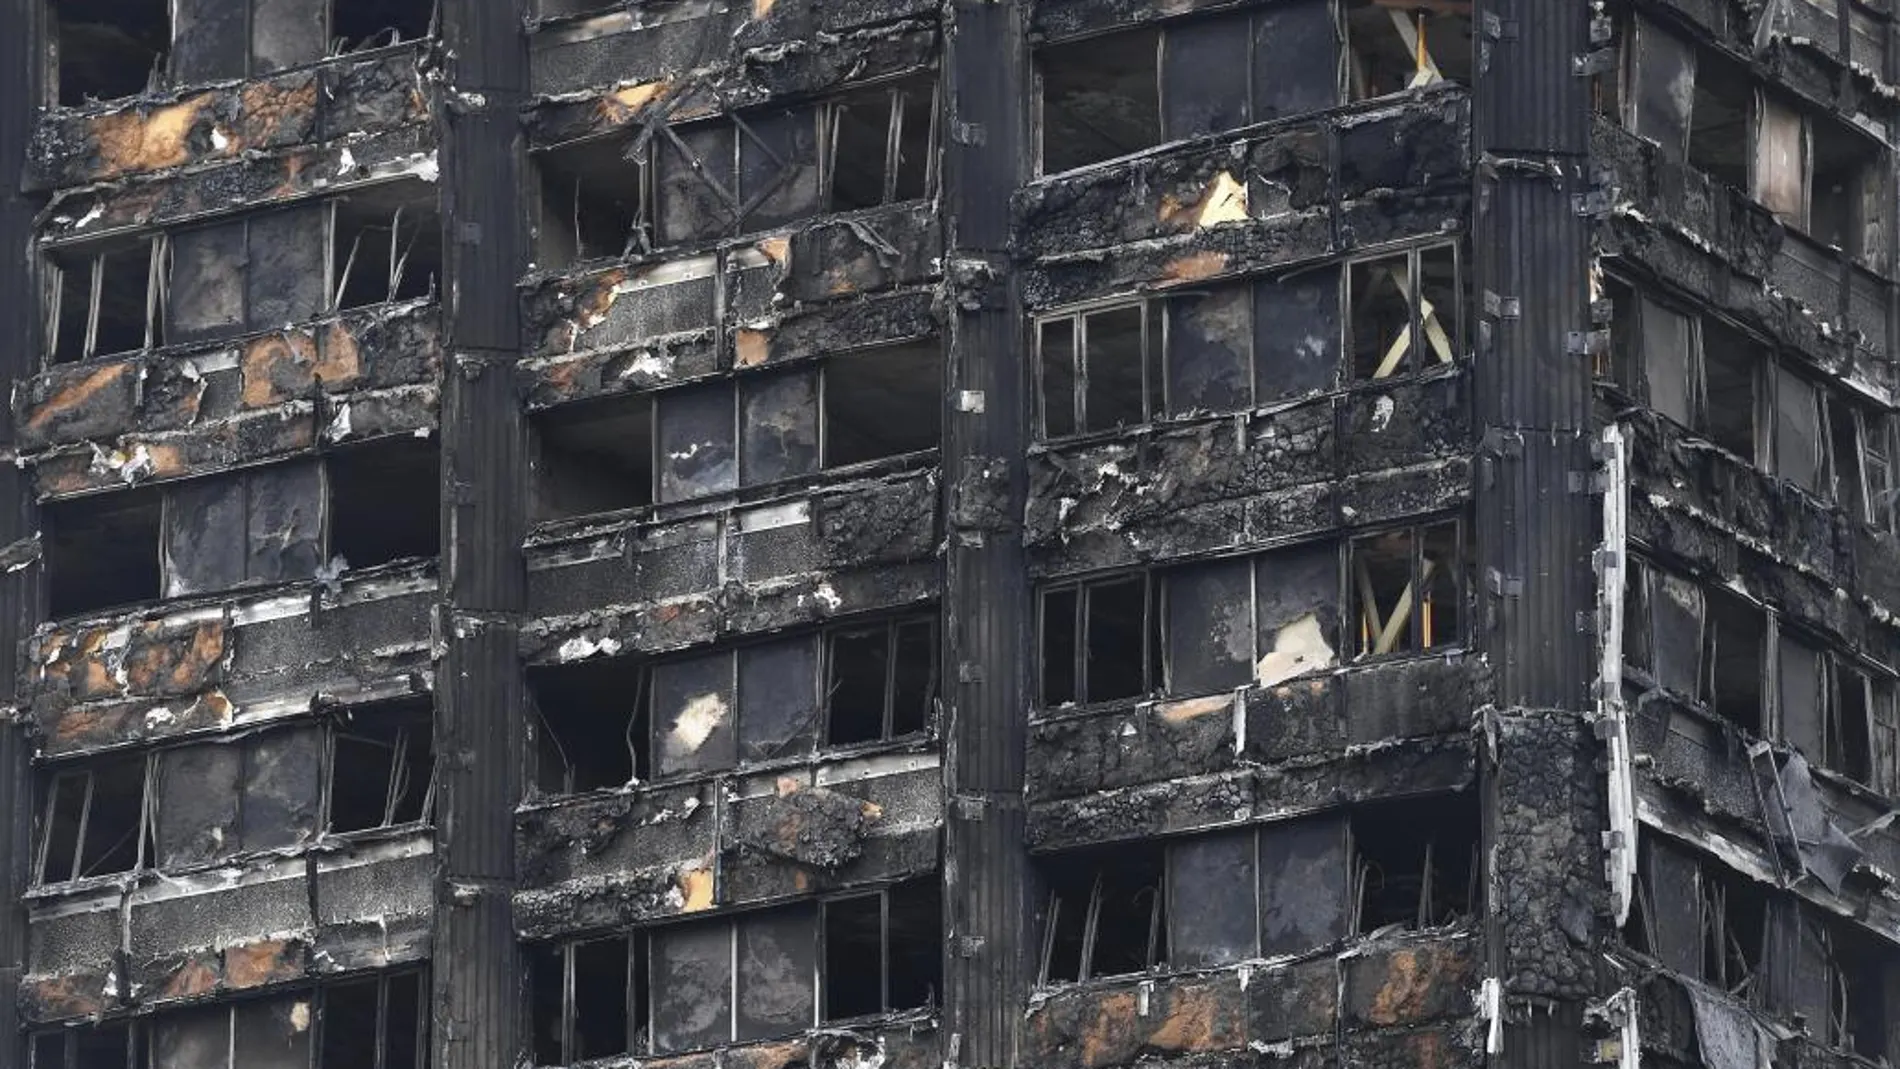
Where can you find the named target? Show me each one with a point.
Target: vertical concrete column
(988, 634)
(21, 52)
(1531, 248)
(477, 985)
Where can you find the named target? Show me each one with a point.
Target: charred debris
(1062, 533)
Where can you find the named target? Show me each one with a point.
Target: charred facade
(1063, 533)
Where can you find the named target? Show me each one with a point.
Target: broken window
(593, 457)
(1719, 128)
(1212, 889)
(1857, 1011)
(382, 767)
(1209, 642)
(1307, 887)
(1798, 438)
(264, 525)
(115, 1045)
(883, 402)
(883, 951)
(1849, 190)
(1101, 98)
(255, 272)
(102, 551)
(1699, 918)
(587, 998)
(1834, 712)
(1850, 749)
(1416, 862)
(1658, 90)
(593, 201)
(1669, 347)
(380, 1022)
(1106, 914)
(360, 24)
(1099, 642)
(697, 441)
(220, 39)
(386, 245)
(753, 171)
(384, 502)
(692, 714)
(778, 699)
(1734, 658)
(1701, 372)
(614, 721)
(1122, 92)
(103, 300)
(1732, 367)
(882, 681)
(778, 427)
(692, 986)
(1214, 350)
(109, 49)
(92, 820)
(1406, 589)
(1404, 312)
(1394, 48)
(881, 146)
(1096, 366)
(590, 726)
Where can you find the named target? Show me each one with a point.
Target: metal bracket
(1602, 30)
(1587, 342)
(1498, 29)
(1502, 307)
(1593, 203)
(1590, 64)
(1501, 585)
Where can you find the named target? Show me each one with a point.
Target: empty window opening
(360, 24)
(1406, 589)
(1394, 48)
(1404, 312)
(381, 768)
(1417, 862)
(104, 301)
(881, 146)
(1847, 478)
(110, 48)
(1106, 914)
(1880, 476)
(1099, 641)
(593, 457)
(883, 402)
(1734, 656)
(1850, 732)
(1857, 988)
(103, 551)
(1101, 98)
(374, 1023)
(1719, 129)
(758, 170)
(883, 951)
(591, 725)
(1732, 367)
(882, 681)
(1733, 926)
(593, 203)
(1095, 370)
(588, 999)
(119, 1045)
(93, 820)
(383, 502)
(386, 245)
(1847, 193)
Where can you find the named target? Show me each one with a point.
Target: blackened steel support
(986, 598)
(477, 1002)
(20, 598)
(1531, 246)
